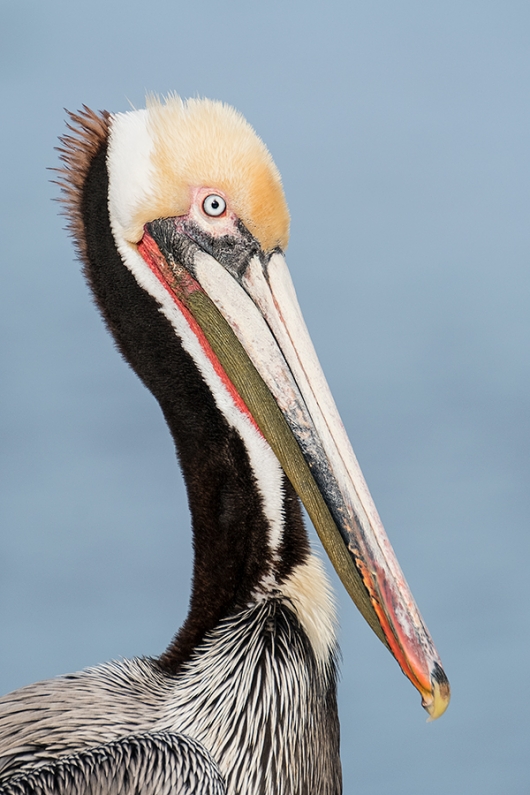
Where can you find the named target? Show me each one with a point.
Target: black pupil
(215, 204)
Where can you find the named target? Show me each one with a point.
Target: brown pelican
(180, 219)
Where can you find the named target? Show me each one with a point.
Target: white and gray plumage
(180, 220)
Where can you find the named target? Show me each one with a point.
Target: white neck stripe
(265, 466)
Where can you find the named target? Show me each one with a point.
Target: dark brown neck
(229, 525)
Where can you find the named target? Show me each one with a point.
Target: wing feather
(161, 763)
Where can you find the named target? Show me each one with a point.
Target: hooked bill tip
(438, 699)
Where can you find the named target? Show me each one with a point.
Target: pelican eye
(214, 205)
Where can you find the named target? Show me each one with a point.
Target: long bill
(251, 319)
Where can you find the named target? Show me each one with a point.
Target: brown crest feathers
(89, 134)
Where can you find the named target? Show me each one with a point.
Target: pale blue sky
(402, 133)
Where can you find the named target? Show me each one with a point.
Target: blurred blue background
(402, 133)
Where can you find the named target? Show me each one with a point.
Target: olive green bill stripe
(274, 427)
